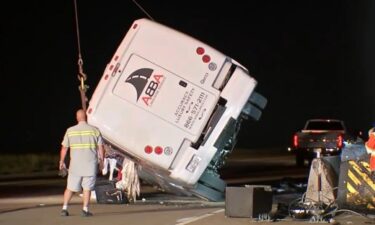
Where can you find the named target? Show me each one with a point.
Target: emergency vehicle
(173, 105)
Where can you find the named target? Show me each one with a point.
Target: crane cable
(81, 75)
(143, 10)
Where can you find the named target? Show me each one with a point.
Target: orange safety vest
(370, 145)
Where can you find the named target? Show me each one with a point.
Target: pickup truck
(325, 136)
(173, 105)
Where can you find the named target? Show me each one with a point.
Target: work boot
(86, 213)
(64, 212)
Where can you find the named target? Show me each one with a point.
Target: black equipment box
(106, 193)
(249, 201)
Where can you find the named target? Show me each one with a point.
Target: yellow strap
(75, 146)
(82, 133)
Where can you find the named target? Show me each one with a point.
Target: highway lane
(37, 200)
(243, 166)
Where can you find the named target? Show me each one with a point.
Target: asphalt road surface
(36, 199)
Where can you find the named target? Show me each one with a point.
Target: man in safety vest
(370, 147)
(86, 153)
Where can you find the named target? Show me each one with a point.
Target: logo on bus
(140, 81)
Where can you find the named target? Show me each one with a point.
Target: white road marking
(188, 220)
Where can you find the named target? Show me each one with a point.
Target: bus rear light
(200, 51)
(206, 58)
(158, 150)
(148, 149)
(193, 164)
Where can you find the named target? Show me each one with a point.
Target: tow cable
(82, 77)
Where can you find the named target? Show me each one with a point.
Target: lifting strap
(81, 75)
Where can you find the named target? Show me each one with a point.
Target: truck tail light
(339, 141)
(295, 140)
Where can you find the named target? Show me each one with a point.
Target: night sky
(312, 59)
